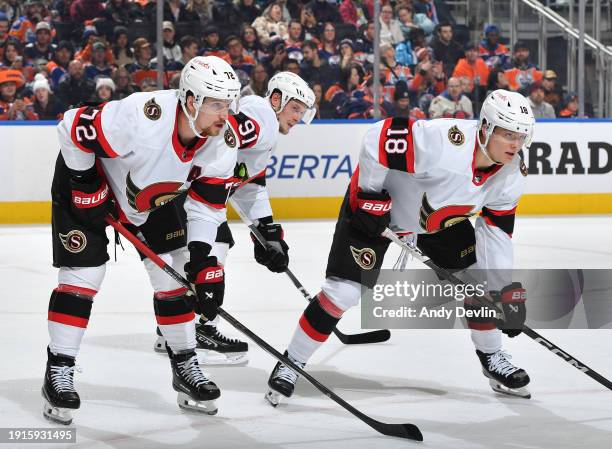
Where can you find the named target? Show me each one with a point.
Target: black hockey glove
(91, 199)
(373, 213)
(275, 255)
(512, 300)
(207, 278)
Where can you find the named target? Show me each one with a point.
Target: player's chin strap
(445, 274)
(191, 119)
(483, 148)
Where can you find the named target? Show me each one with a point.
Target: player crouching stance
(143, 151)
(437, 174)
(289, 100)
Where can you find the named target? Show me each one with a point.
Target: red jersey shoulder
(395, 145)
(247, 129)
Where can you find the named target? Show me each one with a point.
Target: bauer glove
(373, 213)
(512, 300)
(275, 255)
(207, 278)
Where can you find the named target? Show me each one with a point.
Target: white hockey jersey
(135, 141)
(257, 129)
(428, 168)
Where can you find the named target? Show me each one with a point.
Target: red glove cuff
(374, 207)
(83, 200)
(514, 293)
(210, 275)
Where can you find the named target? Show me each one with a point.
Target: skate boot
(282, 381)
(58, 389)
(219, 349)
(195, 391)
(504, 377)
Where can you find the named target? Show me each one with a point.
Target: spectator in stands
(497, 80)
(356, 12)
(122, 52)
(122, 11)
(211, 42)
(46, 105)
(309, 24)
(175, 11)
(328, 49)
(123, 83)
(75, 88)
(472, 67)
(347, 53)
(23, 27)
(493, 52)
(259, 82)
(401, 100)
(199, 10)
(12, 55)
(250, 42)
(237, 57)
(12, 105)
(445, 49)
(227, 14)
(172, 51)
(315, 69)
(429, 79)
(552, 94)
(277, 53)
(4, 30)
(85, 54)
(324, 109)
(294, 41)
(105, 89)
(99, 65)
(418, 39)
(13, 9)
(540, 108)
(63, 10)
(521, 72)
(405, 18)
(291, 65)
(365, 43)
(361, 103)
(390, 30)
(570, 108)
(58, 67)
(451, 103)
(341, 92)
(189, 49)
(436, 10)
(271, 24)
(142, 68)
(392, 71)
(82, 10)
(249, 11)
(324, 11)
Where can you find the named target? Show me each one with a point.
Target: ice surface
(430, 378)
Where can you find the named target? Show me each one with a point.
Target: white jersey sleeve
(256, 129)
(494, 229)
(104, 131)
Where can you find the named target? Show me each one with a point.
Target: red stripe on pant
(176, 319)
(311, 332)
(69, 320)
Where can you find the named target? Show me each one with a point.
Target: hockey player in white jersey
(131, 158)
(428, 178)
(288, 101)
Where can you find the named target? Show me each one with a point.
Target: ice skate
(219, 349)
(58, 389)
(195, 391)
(504, 377)
(282, 382)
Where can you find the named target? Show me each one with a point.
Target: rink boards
(569, 166)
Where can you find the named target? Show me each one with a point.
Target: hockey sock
(315, 326)
(175, 319)
(68, 316)
(488, 341)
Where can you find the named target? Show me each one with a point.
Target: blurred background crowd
(57, 54)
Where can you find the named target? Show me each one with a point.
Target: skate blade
(522, 392)
(214, 358)
(273, 398)
(187, 403)
(57, 414)
(160, 345)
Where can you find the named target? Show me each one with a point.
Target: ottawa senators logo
(433, 220)
(455, 136)
(365, 258)
(230, 138)
(151, 196)
(152, 110)
(74, 242)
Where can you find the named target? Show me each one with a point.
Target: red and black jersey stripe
(503, 219)
(246, 128)
(213, 192)
(87, 133)
(395, 145)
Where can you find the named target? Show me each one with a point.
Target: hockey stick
(388, 233)
(376, 336)
(409, 431)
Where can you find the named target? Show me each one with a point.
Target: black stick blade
(408, 431)
(377, 336)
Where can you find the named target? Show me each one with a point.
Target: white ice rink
(430, 378)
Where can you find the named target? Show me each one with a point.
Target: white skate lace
(286, 373)
(499, 363)
(62, 377)
(191, 372)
